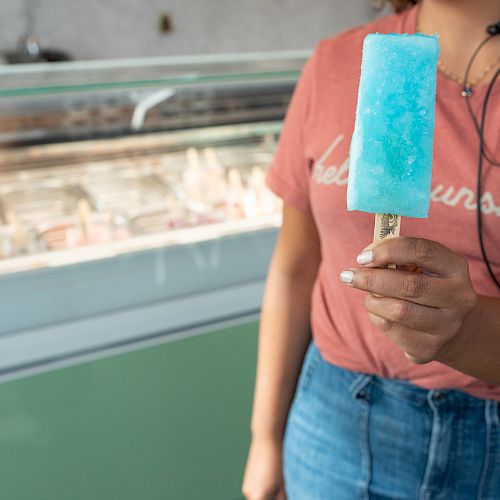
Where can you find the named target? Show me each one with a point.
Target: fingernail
(365, 257)
(347, 277)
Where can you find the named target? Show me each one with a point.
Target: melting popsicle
(390, 164)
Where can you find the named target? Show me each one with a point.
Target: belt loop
(491, 412)
(495, 413)
(358, 386)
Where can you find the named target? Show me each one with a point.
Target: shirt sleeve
(289, 174)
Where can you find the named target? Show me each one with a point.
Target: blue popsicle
(390, 164)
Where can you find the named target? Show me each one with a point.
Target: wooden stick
(85, 214)
(386, 226)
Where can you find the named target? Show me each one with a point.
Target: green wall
(165, 422)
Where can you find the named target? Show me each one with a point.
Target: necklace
(471, 83)
(467, 86)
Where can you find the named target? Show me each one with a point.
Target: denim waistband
(404, 389)
(408, 390)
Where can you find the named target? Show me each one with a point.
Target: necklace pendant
(466, 92)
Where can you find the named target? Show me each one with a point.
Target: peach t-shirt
(310, 173)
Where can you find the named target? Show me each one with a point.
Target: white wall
(129, 28)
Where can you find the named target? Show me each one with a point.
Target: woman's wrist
(271, 433)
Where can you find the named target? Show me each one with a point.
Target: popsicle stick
(386, 226)
(20, 237)
(85, 214)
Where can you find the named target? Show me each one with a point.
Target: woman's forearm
(477, 350)
(283, 338)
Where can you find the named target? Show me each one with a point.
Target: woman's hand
(263, 478)
(422, 313)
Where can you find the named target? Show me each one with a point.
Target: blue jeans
(351, 435)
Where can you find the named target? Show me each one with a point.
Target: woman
(398, 395)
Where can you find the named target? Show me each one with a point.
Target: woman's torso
(340, 324)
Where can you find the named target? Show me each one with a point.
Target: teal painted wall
(166, 422)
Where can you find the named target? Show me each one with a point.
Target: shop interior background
(135, 236)
(101, 29)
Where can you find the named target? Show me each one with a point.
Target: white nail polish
(347, 277)
(365, 257)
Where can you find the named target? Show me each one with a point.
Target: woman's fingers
(430, 256)
(420, 288)
(403, 312)
(419, 347)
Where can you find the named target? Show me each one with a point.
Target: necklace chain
(471, 83)
(456, 78)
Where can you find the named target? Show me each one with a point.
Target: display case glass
(135, 235)
(87, 100)
(102, 158)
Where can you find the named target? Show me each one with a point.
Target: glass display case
(150, 191)
(85, 100)
(135, 234)
(128, 183)
(104, 152)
